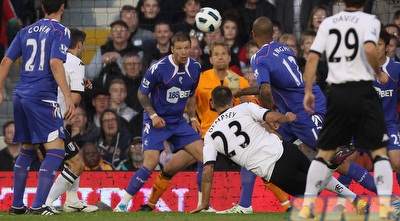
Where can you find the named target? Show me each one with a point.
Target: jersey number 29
(350, 45)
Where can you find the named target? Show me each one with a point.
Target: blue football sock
(199, 175)
(345, 180)
(21, 170)
(47, 172)
(361, 176)
(398, 178)
(137, 180)
(248, 179)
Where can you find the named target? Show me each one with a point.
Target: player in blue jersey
(167, 86)
(43, 47)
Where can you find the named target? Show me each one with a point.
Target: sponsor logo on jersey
(384, 93)
(174, 93)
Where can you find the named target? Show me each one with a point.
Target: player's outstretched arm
(206, 185)
(280, 118)
(252, 90)
(4, 69)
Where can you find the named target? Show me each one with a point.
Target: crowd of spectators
(108, 123)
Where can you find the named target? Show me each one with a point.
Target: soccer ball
(208, 19)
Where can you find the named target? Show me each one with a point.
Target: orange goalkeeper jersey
(208, 81)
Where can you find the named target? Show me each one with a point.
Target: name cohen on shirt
(42, 28)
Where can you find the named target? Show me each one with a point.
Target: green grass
(149, 216)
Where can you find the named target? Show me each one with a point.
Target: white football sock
(317, 177)
(383, 177)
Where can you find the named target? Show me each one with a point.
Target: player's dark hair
(52, 6)
(355, 3)
(8, 123)
(385, 36)
(222, 96)
(180, 37)
(76, 36)
(220, 43)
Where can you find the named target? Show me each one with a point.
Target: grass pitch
(148, 216)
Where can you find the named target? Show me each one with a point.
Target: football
(208, 19)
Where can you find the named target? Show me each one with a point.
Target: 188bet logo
(174, 93)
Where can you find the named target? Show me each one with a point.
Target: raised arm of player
(280, 118)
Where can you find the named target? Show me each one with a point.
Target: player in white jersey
(353, 110)
(68, 180)
(238, 134)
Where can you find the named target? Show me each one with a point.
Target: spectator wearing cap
(107, 62)
(100, 102)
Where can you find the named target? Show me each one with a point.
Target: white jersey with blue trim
(342, 36)
(238, 134)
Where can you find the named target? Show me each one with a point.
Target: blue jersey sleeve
(15, 50)
(60, 43)
(149, 80)
(261, 72)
